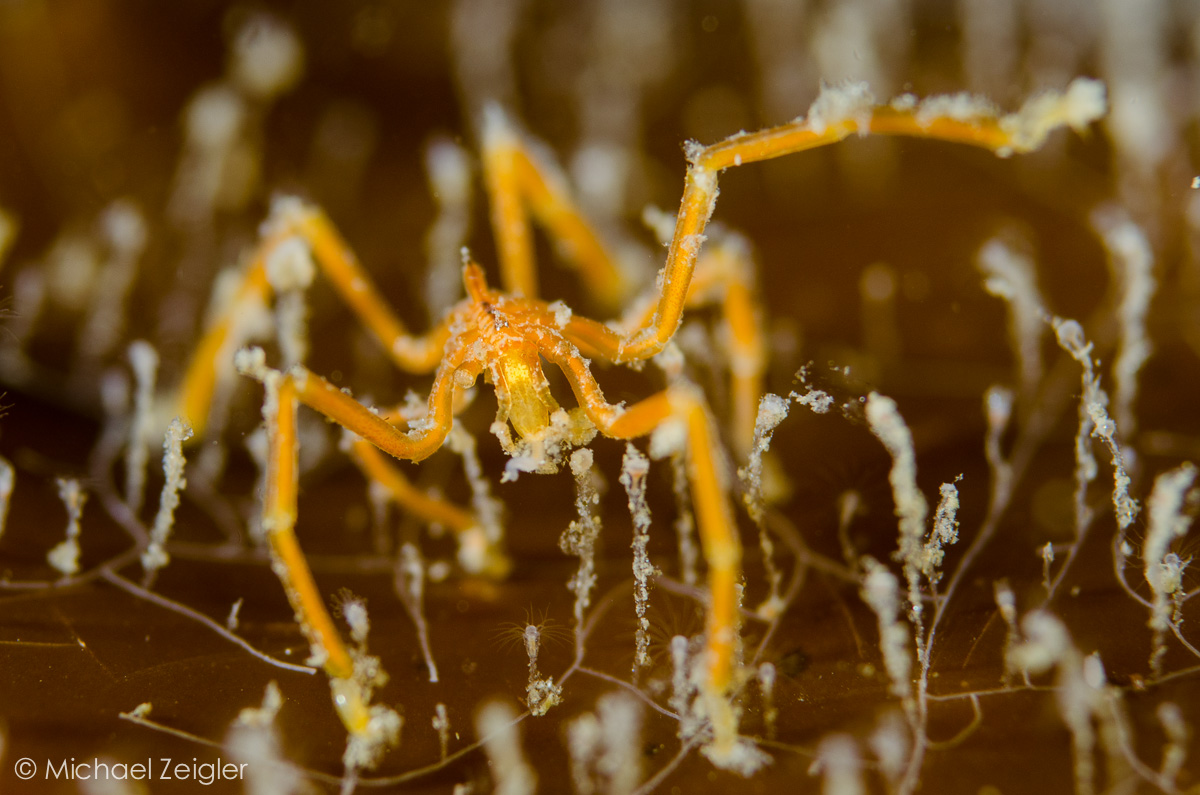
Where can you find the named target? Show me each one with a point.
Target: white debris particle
(562, 313)
(835, 105)
(231, 621)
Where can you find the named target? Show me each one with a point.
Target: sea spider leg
(353, 676)
(520, 178)
(725, 276)
(718, 531)
(279, 521)
(837, 114)
(291, 218)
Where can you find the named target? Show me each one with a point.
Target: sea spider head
(500, 334)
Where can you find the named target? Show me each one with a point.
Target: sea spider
(504, 334)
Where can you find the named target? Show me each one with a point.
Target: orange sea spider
(504, 334)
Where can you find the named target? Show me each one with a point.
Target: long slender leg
(836, 115)
(430, 509)
(279, 521)
(315, 392)
(519, 178)
(290, 218)
(510, 224)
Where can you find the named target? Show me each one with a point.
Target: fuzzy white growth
(155, 556)
(479, 547)
(266, 57)
(766, 685)
(72, 268)
(496, 725)
(213, 117)
(786, 72)
(1131, 263)
(1047, 553)
(682, 686)
(124, 229)
(449, 171)
(1083, 103)
(253, 740)
(1094, 421)
(685, 520)
(1012, 277)
(1178, 734)
(482, 33)
(945, 532)
(8, 480)
(290, 266)
(997, 409)
(1133, 49)
(441, 725)
(846, 42)
(144, 361)
(213, 123)
(410, 584)
(880, 590)
(836, 105)
(290, 271)
(29, 299)
(584, 737)
(1006, 604)
(816, 400)
(634, 469)
(1080, 687)
(65, 555)
(838, 763)
(611, 98)
(365, 746)
(772, 410)
(606, 747)
(580, 536)
(962, 106)
(889, 742)
(911, 507)
(990, 45)
(1164, 569)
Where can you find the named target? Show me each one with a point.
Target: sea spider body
(504, 337)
